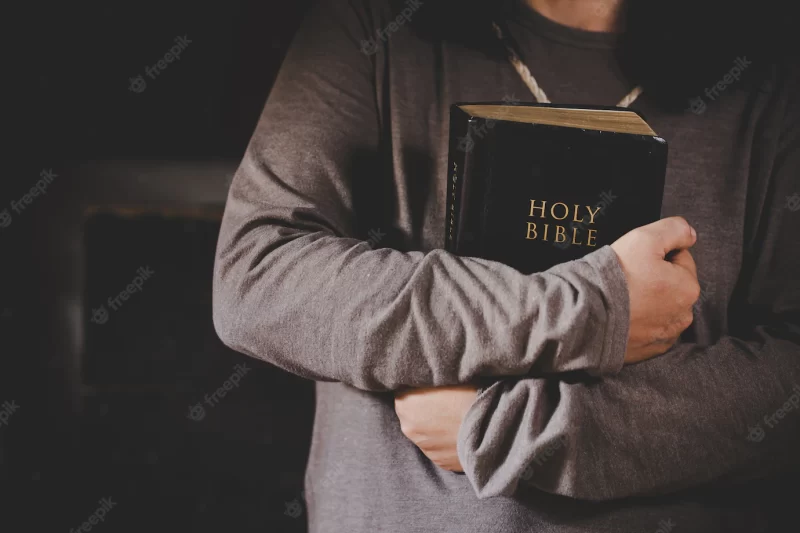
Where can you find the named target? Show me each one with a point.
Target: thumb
(672, 233)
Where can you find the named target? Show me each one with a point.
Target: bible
(534, 185)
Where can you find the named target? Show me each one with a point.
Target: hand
(662, 289)
(431, 418)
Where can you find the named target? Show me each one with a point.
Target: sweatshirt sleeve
(726, 412)
(296, 285)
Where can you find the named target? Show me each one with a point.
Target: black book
(534, 185)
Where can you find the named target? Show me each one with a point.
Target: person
(648, 386)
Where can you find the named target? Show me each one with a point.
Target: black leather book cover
(532, 196)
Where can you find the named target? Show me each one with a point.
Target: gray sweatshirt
(330, 265)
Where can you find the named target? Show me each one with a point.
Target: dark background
(140, 180)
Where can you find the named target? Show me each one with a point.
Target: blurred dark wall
(75, 437)
(203, 104)
(102, 142)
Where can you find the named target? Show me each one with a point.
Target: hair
(674, 49)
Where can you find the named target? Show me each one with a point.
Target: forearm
(328, 307)
(294, 285)
(684, 418)
(679, 420)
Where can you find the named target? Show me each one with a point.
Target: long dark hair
(673, 49)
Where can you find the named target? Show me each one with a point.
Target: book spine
(460, 146)
(468, 236)
(487, 191)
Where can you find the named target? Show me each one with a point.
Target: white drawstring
(538, 93)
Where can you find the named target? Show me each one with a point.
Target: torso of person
(363, 474)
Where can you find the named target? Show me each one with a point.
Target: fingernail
(694, 233)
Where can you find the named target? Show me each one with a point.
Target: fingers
(683, 258)
(687, 287)
(653, 349)
(672, 233)
(408, 392)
